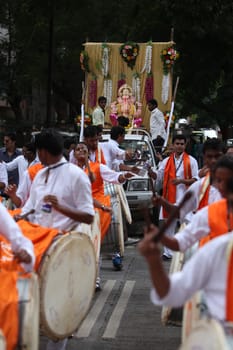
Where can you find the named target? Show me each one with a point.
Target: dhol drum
(28, 289)
(114, 239)
(124, 203)
(170, 315)
(93, 231)
(2, 341)
(194, 310)
(209, 334)
(67, 276)
(24, 298)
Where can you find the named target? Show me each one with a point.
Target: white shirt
(3, 174)
(108, 174)
(192, 204)
(157, 124)
(24, 187)
(72, 188)
(194, 231)
(98, 116)
(111, 152)
(21, 164)
(207, 271)
(179, 164)
(11, 231)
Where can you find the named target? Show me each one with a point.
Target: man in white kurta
(179, 144)
(111, 149)
(207, 271)
(72, 189)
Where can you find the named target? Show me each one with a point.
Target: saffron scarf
(169, 189)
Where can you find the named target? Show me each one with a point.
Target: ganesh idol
(127, 106)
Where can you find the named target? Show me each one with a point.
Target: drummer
(203, 191)
(61, 188)
(98, 173)
(207, 270)
(60, 193)
(210, 221)
(21, 246)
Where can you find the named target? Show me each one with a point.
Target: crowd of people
(61, 188)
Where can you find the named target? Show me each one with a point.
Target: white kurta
(112, 151)
(3, 174)
(72, 188)
(157, 124)
(11, 231)
(179, 164)
(21, 164)
(192, 204)
(194, 231)
(207, 271)
(98, 116)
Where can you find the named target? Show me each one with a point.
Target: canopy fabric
(117, 68)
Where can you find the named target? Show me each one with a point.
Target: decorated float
(128, 75)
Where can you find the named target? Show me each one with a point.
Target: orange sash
(204, 192)
(33, 170)
(98, 194)
(218, 220)
(41, 238)
(99, 156)
(229, 289)
(9, 319)
(169, 189)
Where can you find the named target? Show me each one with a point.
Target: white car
(138, 189)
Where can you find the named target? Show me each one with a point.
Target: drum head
(67, 284)
(206, 335)
(28, 289)
(2, 341)
(124, 203)
(93, 231)
(171, 315)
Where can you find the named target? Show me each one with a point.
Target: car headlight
(138, 185)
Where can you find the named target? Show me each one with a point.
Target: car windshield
(141, 151)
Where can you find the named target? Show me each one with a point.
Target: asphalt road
(122, 316)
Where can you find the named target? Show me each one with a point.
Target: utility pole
(50, 64)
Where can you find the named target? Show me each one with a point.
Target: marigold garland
(92, 92)
(149, 87)
(129, 52)
(168, 57)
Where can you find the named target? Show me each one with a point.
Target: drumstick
(24, 216)
(172, 216)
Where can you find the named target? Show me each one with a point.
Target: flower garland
(92, 92)
(84, 59)
(87, 120)
(166, 118)
(148, 58)
(108, 90)
(129, 52)
(136, 86)
(105, 60)
(168, 57)
(165, 88)
(149, 87)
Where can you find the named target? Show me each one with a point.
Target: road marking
(115, 319)
(86, 327)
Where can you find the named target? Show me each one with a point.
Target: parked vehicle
(138, 189)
